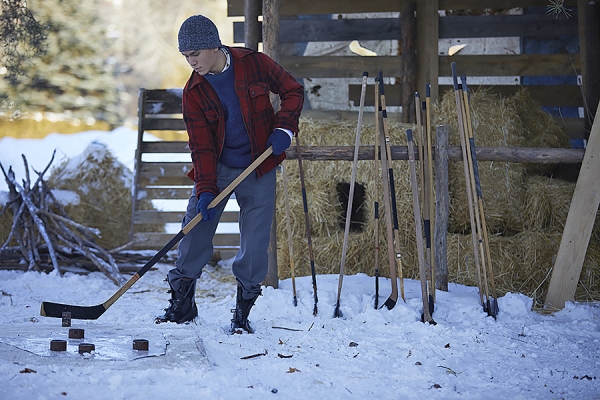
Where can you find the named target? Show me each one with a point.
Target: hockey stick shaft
(351, 192)
(376, 196)
(55, 310)
(393, 298)
(493, 307)
(311, 255)
(289, 230)
(461, 129)
(418, 231)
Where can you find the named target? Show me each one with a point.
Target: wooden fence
(430, 65)
(163, 179)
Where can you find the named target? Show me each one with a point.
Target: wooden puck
(140, 344)
(86, 348)
(75, 333)
(58, 345)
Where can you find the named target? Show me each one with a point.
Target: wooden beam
(471, 65)
(165, 147)
(512, 65)
(235, 8)
(271, 48)
(544, 95)
(442, 202)
(531, 25)
(323, 30)
(408, 77)
(341, 66)
(536, 155)
(427, 45)
(252, 28)
(578, 227)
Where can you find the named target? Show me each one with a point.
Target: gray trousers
(256, 199)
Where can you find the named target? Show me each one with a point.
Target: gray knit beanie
(197, 33)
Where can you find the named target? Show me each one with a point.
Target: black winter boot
(182, 306)
(241, 312)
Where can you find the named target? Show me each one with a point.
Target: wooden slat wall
(163, 180)
(531, 25)
(331, 30)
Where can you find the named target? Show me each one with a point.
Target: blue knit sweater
(236, 151)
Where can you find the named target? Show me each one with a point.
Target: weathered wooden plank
(145, 181)
(512, 65)
(545, 95)
(532, 25)
(321, 30)
(324, 30)
(578, 227)
(165, 169)
(235, 8)
(471, 65)
(484, 153)
(165, 147)
(165, 217)
(157, 217)
(427, 47)
(442, 199)
(162, 101)
(155, 240)
(173, 193)
(341, 66)
(163, 124)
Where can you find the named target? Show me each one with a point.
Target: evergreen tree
(75, 76)
(20, 36)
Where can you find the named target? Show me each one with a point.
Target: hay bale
(547, 204)
(495, 123)
(327, 214)
(539, 129)
(522, 264)
(104, 188)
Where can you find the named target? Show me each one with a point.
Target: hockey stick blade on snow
(55, 310)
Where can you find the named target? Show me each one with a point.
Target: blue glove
(280, 141)
(202, 207)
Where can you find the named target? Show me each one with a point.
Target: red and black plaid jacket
(256, 75)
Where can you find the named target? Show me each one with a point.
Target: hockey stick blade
(337, 313)
(389, 303)
(55, 310)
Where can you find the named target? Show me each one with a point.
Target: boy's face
(205, 61)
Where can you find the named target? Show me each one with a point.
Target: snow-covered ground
(367, 354)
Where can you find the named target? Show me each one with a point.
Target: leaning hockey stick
(55, 310)
(337, 313)
(425, 296)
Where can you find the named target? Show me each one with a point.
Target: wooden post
(588, 13)
(252, 9)
(427, 43)
(270, 34)
(442, 205)
(579, 225)
(408, 24)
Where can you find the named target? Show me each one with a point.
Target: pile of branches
(40, 227)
